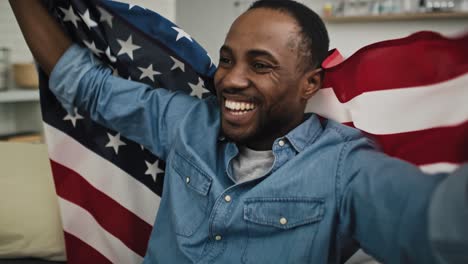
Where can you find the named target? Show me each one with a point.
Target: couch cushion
(29, 218)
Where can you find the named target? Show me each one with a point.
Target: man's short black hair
(315, 42)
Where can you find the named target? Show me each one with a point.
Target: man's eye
(261, 66)
(224, 60)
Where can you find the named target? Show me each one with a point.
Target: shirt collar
(306, 133)
(300, 137)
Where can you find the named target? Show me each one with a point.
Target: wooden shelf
(397, 17)
(13, 96)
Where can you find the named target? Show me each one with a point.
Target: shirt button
(281, 143)
(283, 221)
(187, 180)
(227, 198)
(218, 238)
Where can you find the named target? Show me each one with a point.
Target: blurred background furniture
(30, 225)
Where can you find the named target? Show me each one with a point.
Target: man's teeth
(239, 106)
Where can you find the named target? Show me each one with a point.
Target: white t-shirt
(251, 164)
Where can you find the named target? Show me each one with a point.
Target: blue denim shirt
(328, 192)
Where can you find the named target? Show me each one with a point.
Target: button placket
(222, 205)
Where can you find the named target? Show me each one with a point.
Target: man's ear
(312, 82)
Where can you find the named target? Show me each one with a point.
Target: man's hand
(45, 38)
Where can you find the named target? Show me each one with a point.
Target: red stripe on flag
(334, 58)
(112, 216)
(442, 144)
(79, 252)
(421, 59)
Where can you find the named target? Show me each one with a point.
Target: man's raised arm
(45, 38)
(399, 214)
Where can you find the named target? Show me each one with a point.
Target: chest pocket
(273, 223)
(190, 196)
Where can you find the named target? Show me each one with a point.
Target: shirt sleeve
(139, 112)
(385, 206)
(448, 218)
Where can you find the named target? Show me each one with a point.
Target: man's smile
(238, 111)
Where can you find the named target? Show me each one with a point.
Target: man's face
(258, 80)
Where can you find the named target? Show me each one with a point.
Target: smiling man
(267, 73)
(249, 177)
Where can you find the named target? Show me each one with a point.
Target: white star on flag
(130, 6)
(182, 34)
(109, 55)
(153, 169)
(148, 72)
(70, 16)
(198, 89)
(73, 118)
(105, 16)
(177, 64)
(87, 19)
(93, 47)
(127, 47)
(115, 142)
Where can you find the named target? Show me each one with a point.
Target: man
(249, 177)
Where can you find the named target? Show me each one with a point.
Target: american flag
(109, 187)
(410, 94)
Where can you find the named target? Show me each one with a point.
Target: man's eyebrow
(252, 53)
(225, 49)
(262, 53)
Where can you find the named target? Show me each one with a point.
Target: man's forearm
(45, 38)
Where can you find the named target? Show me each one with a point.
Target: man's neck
(265, 142)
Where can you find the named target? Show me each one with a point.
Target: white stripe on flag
(326, 104)
(439, 167)
(398, 110)
(80, 223)
(102, 174)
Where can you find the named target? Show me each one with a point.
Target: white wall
(166, 8)
(15, 116)
(349, 37)
(10, 36)
(209, 20)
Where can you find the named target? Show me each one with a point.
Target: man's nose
(236, 78)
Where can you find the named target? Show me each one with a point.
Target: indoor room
(75, 189)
